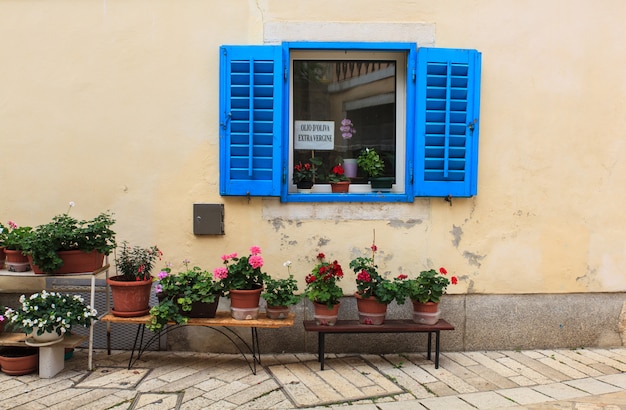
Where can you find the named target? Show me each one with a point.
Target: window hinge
(227, 118)
(413, 74)
(285, 73)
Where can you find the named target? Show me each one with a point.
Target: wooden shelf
(31, 274)
(19, 340)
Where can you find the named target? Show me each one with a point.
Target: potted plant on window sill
(370, 161)
(339, 182)
(67, 245)
(304, 174)
(131, 288)
(347, 132)
(242, 281)
(280, 294)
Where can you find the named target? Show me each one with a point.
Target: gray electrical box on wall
(208, 219)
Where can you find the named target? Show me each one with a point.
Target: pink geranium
(256, 261)
(242, 272)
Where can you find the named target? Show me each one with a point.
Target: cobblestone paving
(534, 380)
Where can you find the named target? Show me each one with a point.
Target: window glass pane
(325, 92)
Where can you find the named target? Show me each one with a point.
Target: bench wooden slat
(221, 318)
(389, 326)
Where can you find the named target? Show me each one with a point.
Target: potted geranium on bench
(374, 291)
(243, 279)
(323, 290)
(280, 294)
(425, 292)
(192, 293)
(131, 288)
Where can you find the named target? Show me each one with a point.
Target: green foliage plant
(178, 291)
(135, 263)
(370, 283)
(65, 233)
(428, 286)
(322, 283)
(370, 161)
(13, 237)
(281, 292)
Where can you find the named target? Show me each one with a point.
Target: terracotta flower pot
(16, 361)
(277, 312)
(425, 313)
(130, 298)
(2, 257)
(325, 316)
(16, 261)
(75, 262)
(244, 303)
(371, 311)
(340, 187)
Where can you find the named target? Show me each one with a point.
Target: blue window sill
(347, 197)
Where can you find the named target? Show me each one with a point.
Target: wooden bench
(222, 323)
(390, 326)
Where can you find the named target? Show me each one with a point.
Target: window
(418, 108)
(363, 92)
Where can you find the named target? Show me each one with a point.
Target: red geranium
(337, 174)
(322, 284)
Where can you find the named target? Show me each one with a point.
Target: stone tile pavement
(538, 379)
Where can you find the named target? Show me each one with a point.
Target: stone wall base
(482, 322)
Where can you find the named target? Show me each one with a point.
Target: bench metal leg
(436, 349)
(430, 345)
(321, 349)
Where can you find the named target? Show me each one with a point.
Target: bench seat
(389, 326)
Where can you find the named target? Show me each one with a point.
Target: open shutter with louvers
(251, 112)
(447, 109)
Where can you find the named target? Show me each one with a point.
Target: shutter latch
(227, 118)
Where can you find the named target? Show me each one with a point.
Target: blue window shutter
(447, 123)
(251, 110)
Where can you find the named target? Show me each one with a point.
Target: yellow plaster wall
(113, 104)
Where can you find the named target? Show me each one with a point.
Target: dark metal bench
(390, 326)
